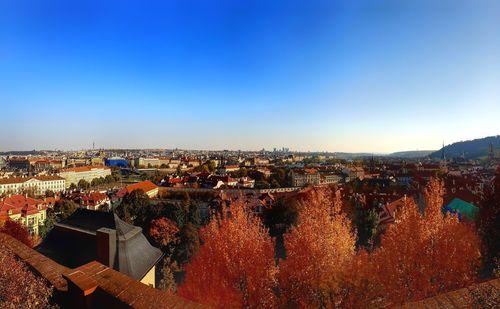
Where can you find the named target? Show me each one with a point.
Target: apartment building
(147, 162)
(36, 185)
(303, 177)
(87, 173)
(25, 210)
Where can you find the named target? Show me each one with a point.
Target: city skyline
(321, 76)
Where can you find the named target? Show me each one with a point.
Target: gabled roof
(463, 208)
(145, 186)
(19, 204)
(84, 168)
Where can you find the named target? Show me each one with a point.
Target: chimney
(106, 246)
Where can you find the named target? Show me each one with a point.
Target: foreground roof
(72, 243)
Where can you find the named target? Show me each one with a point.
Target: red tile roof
(12, 180)
(19, 204)
(84, 168)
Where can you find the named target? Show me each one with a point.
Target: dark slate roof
(72, 243)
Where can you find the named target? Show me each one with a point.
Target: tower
(443, 156)
(491, 152)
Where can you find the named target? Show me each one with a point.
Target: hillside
(411, 154)
(472, 149)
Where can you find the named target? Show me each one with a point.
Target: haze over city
(322, 76)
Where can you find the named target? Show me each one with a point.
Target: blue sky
(375, 76)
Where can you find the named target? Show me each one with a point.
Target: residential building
(354, 172)
(36, 185)
(329, 178)
(228, 168)
(25, 210)
(303, 177)
(146, 162)
(96, 161)
(93, 200)
(75, 162)
(19, 163)
(87, 173)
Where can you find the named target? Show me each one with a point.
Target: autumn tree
(19, 288)
(163, 232)
(425, 254)
(318, 251)
(17, 231)
(235, 265)
(167, 280)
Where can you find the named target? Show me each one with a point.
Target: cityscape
(250, 155)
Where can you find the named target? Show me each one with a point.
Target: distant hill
(23, 153)
(352, 155)
(411, 154)
(473, 149)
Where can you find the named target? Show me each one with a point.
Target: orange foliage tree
(425, 254)
(319, 250)
(17, 231)
(163, 231)
(235, 266)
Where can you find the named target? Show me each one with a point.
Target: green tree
(48, 224)
(281, 216)
(108, 179)
(366, 222)
(134, 208)
(488, 223)
(65, 208)
(194, 214)
(211, 166)
(49, 193)
(189, 243)
(83, 184)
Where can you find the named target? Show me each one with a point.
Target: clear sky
(376, 76)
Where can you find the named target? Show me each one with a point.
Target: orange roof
(146, 186)
(24, 179)
(18, 203)
(84, 168)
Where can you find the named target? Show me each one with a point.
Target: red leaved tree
(18, 231)
(163, 231)
(235, 265)
(423, 255)
(319, 250)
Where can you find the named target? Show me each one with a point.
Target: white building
(35, 185)
(87, 173)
